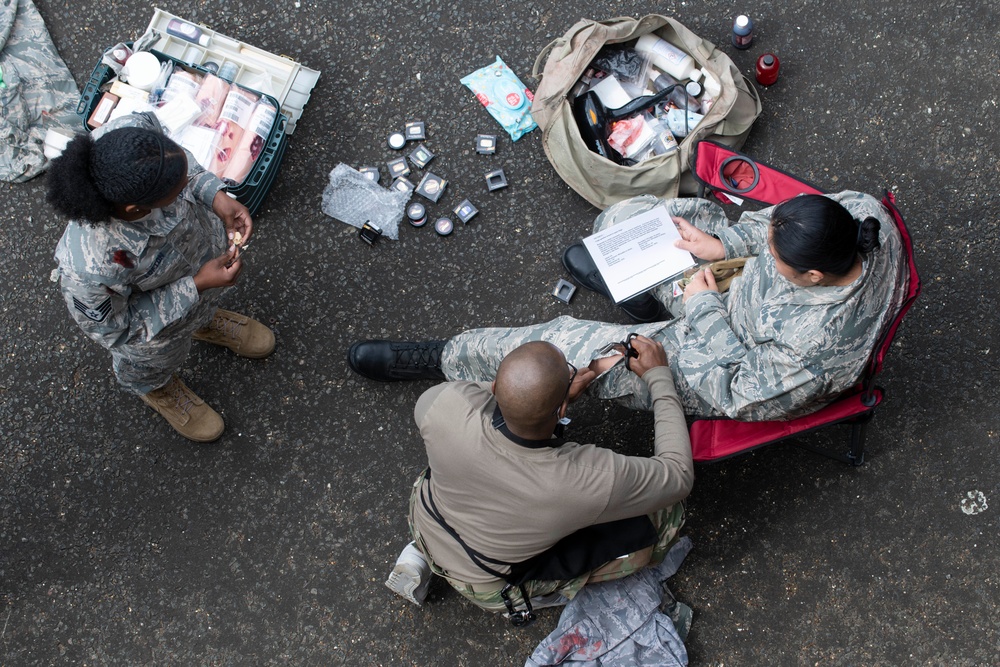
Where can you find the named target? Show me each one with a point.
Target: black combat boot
(642, 308)
(389, 361)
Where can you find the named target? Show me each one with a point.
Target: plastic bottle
(767, 69)
(666, 56)
(678, 97)
(742, 32)
(186, 31)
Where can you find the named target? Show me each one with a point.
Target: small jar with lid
(767, 69)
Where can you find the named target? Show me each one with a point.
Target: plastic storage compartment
(286, 83)
(290, 82)
(254, 188)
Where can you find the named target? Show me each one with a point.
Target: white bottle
(667, 57)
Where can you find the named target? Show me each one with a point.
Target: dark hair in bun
(815, 233)
(129, 165)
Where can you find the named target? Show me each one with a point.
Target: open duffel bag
(597, 179)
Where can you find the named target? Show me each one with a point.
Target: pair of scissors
(625, 347)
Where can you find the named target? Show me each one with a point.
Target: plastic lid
(509, 94)
(695, 75)
(742, 20)
(767, 59)
(396, 140)
(416, 211)
(228, 71)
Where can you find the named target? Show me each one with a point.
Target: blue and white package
(507, 99)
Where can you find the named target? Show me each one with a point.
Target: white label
(238, 107)
(262, 120)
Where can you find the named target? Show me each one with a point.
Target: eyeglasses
(572, 376)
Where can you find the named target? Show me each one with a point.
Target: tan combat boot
(187, 413)
(243, 335)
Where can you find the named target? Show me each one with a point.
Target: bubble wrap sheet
(350, 197)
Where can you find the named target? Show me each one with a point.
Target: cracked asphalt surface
(121, 543)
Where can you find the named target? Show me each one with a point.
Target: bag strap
(474, 555)
(565, 42)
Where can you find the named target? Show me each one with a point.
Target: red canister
(767, 69)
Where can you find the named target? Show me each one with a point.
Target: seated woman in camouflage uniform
(824, 277)
(151, 243)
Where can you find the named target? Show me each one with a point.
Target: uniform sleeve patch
(98, 313)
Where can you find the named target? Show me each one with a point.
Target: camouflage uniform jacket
(124, 282)
(766, 349)
(37, 93)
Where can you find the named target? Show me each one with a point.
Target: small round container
(228, 71)
(396, 141)
(767, 69)
(417, 214)
(693, 88)
(444, 226)
(141, 70)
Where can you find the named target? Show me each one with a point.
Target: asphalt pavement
(121, 543)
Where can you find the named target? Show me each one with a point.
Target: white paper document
(638, 254)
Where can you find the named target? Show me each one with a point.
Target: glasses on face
(572, 376)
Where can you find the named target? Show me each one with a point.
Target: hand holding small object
(698, 243)
(701, 281)
(646, 354)
(234, 215)
(221, 271)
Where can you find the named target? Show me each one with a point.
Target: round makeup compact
(444, 226)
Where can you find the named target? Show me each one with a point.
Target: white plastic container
(667, 57)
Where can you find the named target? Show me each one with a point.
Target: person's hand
(651, 354)
(698, 243)
(583, 378)
(221, 271)
(235, 216)
(702, 281)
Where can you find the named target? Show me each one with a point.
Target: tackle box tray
(288, 81)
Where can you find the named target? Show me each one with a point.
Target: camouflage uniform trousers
(144, 366)
(475, 355)
(667, 523)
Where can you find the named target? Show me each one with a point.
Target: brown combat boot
(243, 335)
(187, 413)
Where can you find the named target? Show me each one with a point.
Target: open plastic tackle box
(284, 82)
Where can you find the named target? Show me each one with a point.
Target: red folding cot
(720, 170)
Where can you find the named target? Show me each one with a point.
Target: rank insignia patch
(98, 314)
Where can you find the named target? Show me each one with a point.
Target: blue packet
(507, 99)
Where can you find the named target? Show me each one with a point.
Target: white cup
(141, 70)
(55, 143)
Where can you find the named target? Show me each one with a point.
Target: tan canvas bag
(601, 181)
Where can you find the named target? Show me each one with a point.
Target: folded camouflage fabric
(38, 91)
(724, 270)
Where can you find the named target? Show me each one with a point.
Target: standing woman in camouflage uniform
(151, 243)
